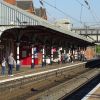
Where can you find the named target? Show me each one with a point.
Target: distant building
(28, 6)
(13, 2)
(41, 12)
(64, 23)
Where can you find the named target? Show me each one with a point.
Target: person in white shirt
(3, 67)
(11, 62)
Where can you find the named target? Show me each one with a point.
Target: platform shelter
(33, 40)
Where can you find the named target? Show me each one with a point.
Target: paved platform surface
(93, 94)
(26, 71)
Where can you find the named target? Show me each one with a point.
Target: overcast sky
(89, 15)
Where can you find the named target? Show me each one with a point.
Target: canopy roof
(11, 13)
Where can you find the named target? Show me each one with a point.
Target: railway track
(66, 87)
(36, 86)
(35, 77)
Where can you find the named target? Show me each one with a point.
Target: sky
(79, 13)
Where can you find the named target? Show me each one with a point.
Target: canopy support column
(18, 58)
(51, 54)
(32, 51)
(43, 57)
(59, 56)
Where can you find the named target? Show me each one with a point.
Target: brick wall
(31, 10)
(90, 53)
(11, 1)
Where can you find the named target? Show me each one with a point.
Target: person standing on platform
(63, 58)
(72, 57)
(10, 64)
(66, 57)
(3, 67)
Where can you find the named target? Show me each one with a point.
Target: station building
(32, 39)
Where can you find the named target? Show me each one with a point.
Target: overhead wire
(82, 5)
(86, 2)
(61, 11)
(41, 2)
(81, 13)
(93, 14)
(89, 8)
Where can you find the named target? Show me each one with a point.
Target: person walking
(10, 64)
(3, 67)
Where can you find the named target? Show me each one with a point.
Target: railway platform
(36, 70)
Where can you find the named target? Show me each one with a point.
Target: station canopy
(11, 15)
